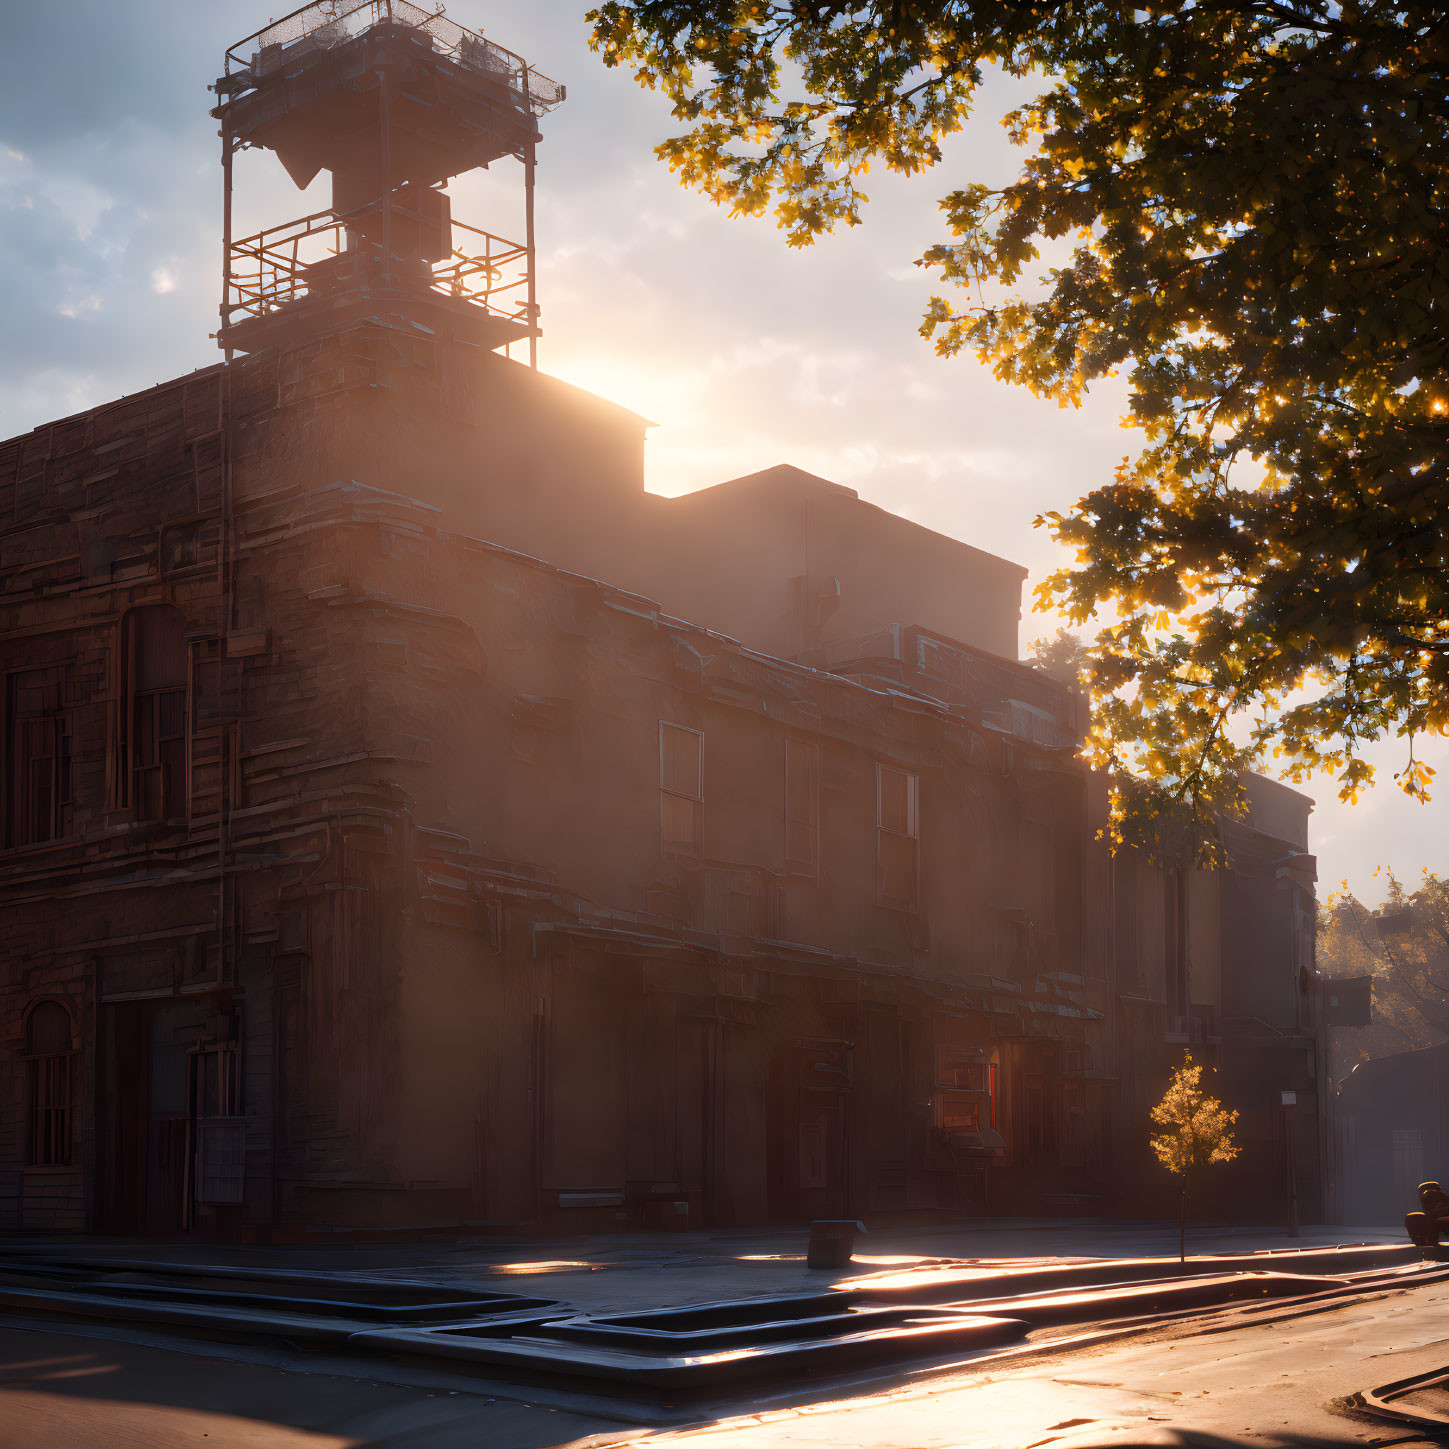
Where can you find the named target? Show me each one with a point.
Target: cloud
(79, 306)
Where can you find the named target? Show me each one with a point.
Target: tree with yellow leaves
(1198, 1131)
(1237, 210)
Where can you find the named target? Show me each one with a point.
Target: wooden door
(124, 1084)
(808, 1132)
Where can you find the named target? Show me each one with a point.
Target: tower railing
(326, 23)
(286, 263)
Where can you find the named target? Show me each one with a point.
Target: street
(1273, 1383)
(1274, 1378)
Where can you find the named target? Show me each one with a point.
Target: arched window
(155, 719)
(48, 1069)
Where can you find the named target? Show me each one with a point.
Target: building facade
(363, 872)
(410, 822)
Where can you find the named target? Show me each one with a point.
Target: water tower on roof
(393, 100)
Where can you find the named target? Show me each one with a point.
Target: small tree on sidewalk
(1197, 1131)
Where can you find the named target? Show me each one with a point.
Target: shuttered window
(802, 805)
(681, 788)
(48, 1069)
(156, 712)
(898, 838)
(38, 789)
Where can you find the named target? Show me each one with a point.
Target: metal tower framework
(393, 100)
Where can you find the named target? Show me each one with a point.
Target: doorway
(810, 1131)
(147, 1113)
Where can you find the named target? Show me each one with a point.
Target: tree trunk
(1182, 1225)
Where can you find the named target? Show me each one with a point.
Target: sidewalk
(648, 1270)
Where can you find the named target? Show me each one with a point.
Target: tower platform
(393, 100)
(319, 102)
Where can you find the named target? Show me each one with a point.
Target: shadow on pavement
(63, 1392)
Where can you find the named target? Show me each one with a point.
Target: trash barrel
(832, 1241)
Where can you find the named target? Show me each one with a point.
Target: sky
(745, 352)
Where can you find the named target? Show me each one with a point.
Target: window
(214, 1081)
(960, 1113)
(1036, 1119)
(1038, 886)
(48, 1072)
(156, 707)
(898, 838)
(802, 805)
(940, 661)
(220, 1127)
(814, 1155)
(38, 794)
(1076, 1131)
(681, 808)
(970, 1102)
(960, 1066)
(1124, 905)
(1174, 943)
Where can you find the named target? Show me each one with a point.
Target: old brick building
(409, 821)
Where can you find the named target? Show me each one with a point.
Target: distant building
(1395, 1133)
(409, 821)
(1221, 963)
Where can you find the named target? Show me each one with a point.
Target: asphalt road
(1274, 1383)
(1270, 1383)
